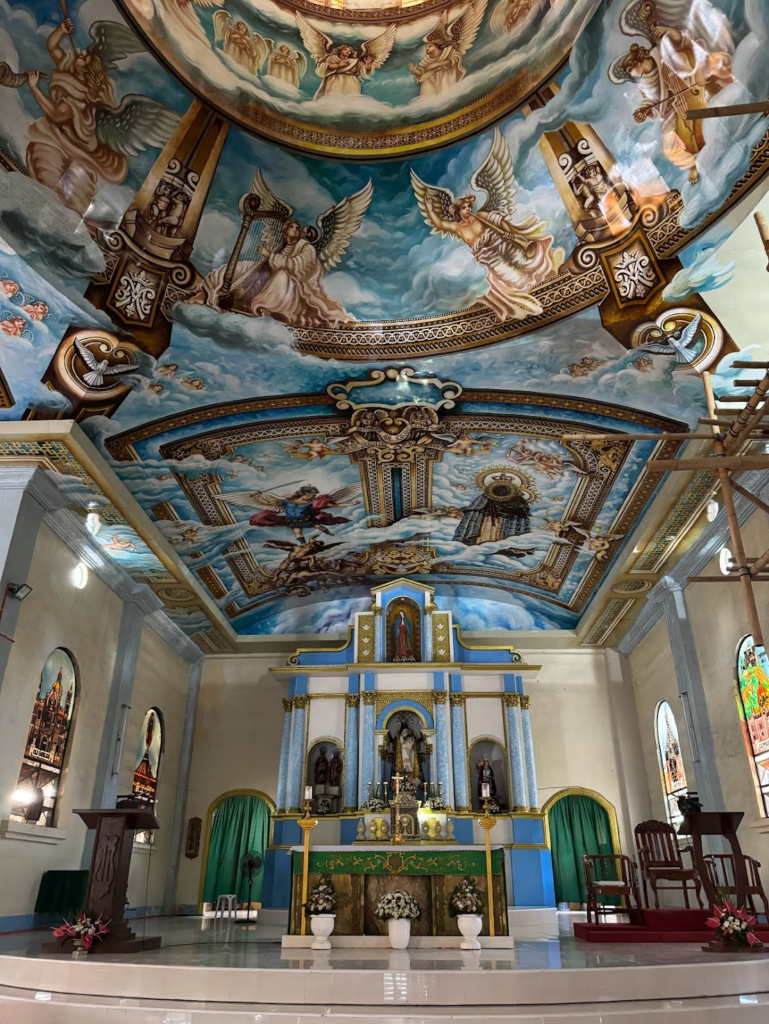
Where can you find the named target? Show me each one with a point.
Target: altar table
(360, 875)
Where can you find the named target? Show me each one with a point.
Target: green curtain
(240, 824)
(578, 825)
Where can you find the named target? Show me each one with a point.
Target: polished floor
(227, 973)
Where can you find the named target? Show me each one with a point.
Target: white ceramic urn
(322, 926)
(470, 927)
(399, 929)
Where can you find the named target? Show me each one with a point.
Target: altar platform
(230, 974)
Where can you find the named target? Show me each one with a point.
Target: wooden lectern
(716, 823)
(108, 878)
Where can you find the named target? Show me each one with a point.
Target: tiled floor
(222, 973)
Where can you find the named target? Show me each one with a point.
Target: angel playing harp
(300, 510)
(287, 282)
(517, 257)
(246, 48)
(445, 45)
(341, 68)
(686, 62)
(85, 135)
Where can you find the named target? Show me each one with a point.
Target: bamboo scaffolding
(701, 113)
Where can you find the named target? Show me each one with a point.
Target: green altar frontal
(361, 877)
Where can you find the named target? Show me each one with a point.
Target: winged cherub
(287, 65)
(445, 45)
(301, 510)
(287, 283)
(246, 48)
(517, 257)
(341, 67)
(84, 134)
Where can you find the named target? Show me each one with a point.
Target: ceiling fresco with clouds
(318, 367)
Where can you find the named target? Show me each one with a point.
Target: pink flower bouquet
(734, 925)
(84, 928)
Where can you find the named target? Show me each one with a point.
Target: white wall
(237, 743)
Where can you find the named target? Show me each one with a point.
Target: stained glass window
(34, 799)
(753, 703)
(147, 765)
(671, 762)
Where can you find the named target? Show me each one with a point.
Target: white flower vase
(470, 927)
(399, 930)
(322, 926)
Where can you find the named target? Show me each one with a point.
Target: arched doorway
(578, 821)
(238, 823)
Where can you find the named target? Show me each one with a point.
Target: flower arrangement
(373, 804)
(322, 899)
(435, 803)
(86, 928)
(395, 905)
(494, 806)
(465, 899)
(324, 806)
(735, 926)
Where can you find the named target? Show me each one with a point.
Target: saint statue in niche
(321, 773)
(403, 631)
(335, 774)
(405, 753)
(486, 777)
(403, 639)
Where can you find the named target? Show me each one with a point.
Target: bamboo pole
(745, 422)
(714, 464)
(759, 564)
(723, 579)
(763, 230)
(637, 437)
(738, 548)
(700, 113)
(751, 497)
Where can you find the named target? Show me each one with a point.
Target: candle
(308, 793)
(485, 790)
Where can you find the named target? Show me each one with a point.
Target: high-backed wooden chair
(659, 856)
(609, 874)
(720, 868)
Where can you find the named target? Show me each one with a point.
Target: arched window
(36, 793)
(671, 762)
(147, 765)
(753, 703)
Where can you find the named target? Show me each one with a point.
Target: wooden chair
(609, 874)
(660, 858)
(720, 868)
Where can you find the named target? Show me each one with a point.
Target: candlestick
(487, 823)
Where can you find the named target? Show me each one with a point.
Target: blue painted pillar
(296, 754)
(367, 761)
(285, 746)
(528, 747)
(443, 771)
(351, 753)
(515, 751)
(459, 750)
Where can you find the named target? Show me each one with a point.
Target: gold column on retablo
(487, 823)
(306, 824)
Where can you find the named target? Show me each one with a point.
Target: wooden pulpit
(108, 878)
(716, 823)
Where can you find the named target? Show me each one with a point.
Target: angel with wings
(517, 257)
(687, 60)
(341, 68)
(287, 283)
(287, 65)
(85, 135)
(246, 48)
(445, 45)
(300, 510)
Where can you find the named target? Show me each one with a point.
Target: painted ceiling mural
(316, 372)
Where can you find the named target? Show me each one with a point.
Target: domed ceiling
(305, 371)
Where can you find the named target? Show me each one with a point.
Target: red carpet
(657, 926)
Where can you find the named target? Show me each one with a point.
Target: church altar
(393, 735)
(361, 875)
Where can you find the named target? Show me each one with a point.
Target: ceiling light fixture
(80, 575)
(19, 590)
(725, 561)
(711, 510)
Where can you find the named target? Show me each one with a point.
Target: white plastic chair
(228, 902)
